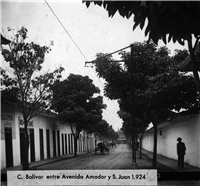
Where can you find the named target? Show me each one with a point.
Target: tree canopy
(177, 20)
(148, 83)
(163, 20)
(75, 101)
(103, 131)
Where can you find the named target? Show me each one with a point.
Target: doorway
(41, 144)
(8, 146)
(32, 145)
(48, 143)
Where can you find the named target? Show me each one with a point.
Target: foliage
(164, 20)
(111, 134)
(154, 86)
(175, 20)
(156, 78)
(9, 89)
(100, 129)
(73, 99)
(104, 131)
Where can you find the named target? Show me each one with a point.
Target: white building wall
(3, 155)
(8, 120)
(148, 141)
(44, 121)
(188, 129)
(64, 129)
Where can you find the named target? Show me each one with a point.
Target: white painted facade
(41, 125)
(187, 127)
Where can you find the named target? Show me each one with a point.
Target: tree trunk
(25, 162)
(141, 145)
(154, 163)
(141, 137)
(88, 143)
(75, 145)
(133, 143)
(95, 142)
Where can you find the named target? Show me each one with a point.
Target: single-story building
(48, 137)
(185, 126)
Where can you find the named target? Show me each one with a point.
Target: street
(119, 157)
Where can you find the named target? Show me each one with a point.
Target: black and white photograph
(100, 92)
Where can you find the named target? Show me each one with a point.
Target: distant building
(4, 41)
(121, 138)
(48, 137)
(185, 126)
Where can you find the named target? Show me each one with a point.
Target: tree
(28, 92)
(99, 130)
(111, 134)
(8, 90)
(104, 131)
(155, 84)
(142, 124)
(176, 20)
(74, 100)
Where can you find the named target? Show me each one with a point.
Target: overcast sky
(90, 28)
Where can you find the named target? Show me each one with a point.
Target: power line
(80, 49)
(73, 41)
(65, 30)
(119, 50)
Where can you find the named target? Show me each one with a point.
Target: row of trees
(148, 86)
(151, 85)
(76, 99)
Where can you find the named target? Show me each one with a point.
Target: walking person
(181, 152)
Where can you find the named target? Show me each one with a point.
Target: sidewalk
(170, 163)
(35, 164)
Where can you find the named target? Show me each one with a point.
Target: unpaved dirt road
(119, 157)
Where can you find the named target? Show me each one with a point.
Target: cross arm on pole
(93, 62)
(117, 61)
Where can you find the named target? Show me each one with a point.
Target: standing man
(181, 152)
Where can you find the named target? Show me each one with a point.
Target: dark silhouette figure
(181, 152)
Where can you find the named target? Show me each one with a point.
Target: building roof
(173, 120)
(4, 41)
